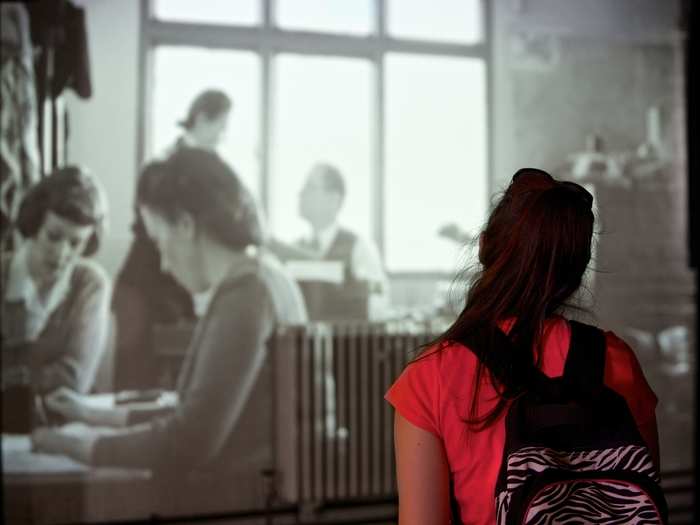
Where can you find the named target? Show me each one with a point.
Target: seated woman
(55, 302)
(205, 226)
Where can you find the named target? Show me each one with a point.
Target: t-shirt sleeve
(625, 376)
(416, 394)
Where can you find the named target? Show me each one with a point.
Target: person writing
(213, 440)
(455, 402)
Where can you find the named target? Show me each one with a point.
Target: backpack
(573, 453)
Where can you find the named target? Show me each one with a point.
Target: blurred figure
(453, 232)
(320, 202)
(212, 443)
(55, 301)
(20, 164)
(145, 296)
(206, 121)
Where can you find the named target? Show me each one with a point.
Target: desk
(21, 465)
(50, 489)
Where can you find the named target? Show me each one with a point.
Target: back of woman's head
(212, 103)
(536, 245)
(71, 193)
(199, 183)
(533, 253)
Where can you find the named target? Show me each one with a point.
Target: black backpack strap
(456, 519)
(585, 363)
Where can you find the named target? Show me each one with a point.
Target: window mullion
(378, 200)
(266, 113)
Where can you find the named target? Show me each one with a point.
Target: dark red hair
(533, 253)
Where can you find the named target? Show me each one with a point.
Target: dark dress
(143, 297)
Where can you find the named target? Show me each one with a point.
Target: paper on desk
(319, 271)
(18, 458)
(27, 463)
(16, 443)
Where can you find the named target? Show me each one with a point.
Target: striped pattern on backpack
(573, 453)
(579, 500)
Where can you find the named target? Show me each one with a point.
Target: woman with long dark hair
(452, 400)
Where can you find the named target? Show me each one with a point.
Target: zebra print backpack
(573, 453)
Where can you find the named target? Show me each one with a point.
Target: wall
(563, 70)
(536, 47)
(103, 129)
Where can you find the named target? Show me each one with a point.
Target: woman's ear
(185, 226)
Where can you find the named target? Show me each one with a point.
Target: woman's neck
(219, 260)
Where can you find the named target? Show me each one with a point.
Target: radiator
(334, 430)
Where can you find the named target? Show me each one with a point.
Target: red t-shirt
(434, 393)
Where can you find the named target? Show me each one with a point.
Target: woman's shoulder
(89, 274)
(623, 372)
(621, 363)
(242, 285)
(624, 375)
(449, 363)
(617, 347)
(270, 271)
(249, 286)
(618, 352)
(438, 374)
(284, 291)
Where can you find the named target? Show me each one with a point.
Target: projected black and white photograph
(347, 261)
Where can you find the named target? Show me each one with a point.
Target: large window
(392, 92)
(180, 73)
(321, 114)
(435, 156)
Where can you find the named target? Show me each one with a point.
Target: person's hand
(68, 404)
(51, 440)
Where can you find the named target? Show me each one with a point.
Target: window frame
(268, 40)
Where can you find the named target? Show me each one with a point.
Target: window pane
(435, 158)
(237, 12)
(322, 114)
(338, 16)
(181, 73)
(447, 20)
